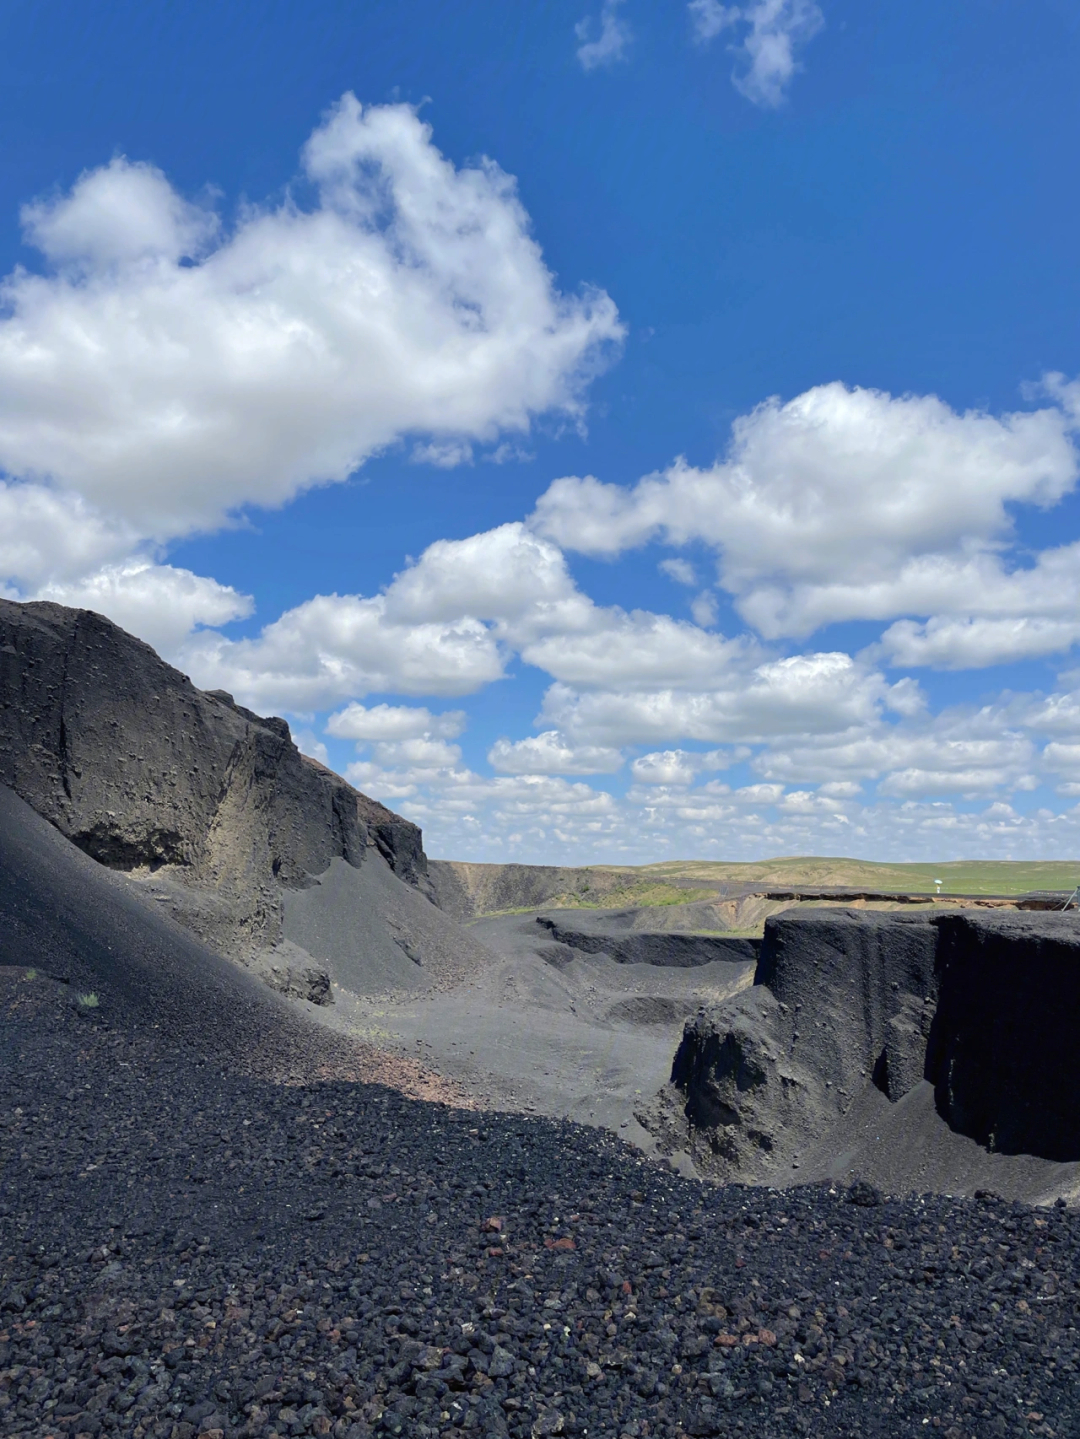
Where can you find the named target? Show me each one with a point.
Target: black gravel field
(186, 1252)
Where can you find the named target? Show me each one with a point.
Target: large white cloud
(447, 625)
(168, 374)
(852, 504)
(336, 646)
(159, 603)
(46, 536)
(810, 694)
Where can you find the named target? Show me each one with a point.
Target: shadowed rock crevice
(1004, 1046)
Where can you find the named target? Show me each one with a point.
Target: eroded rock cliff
(146, 773)
(982, 1008)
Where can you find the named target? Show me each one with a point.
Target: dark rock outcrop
(984, 1006)
(834, 993)
(1004, 1046)
(144, 772)
(600, 932)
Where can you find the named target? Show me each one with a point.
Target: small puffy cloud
(158, 603)
(550, 753)
(704, 610)
(669, 766)
(507, 574)
(168, 373)
(393, 722)
(709, 18)
(758, 793)
(607, 44)
(681, 571)
(767, 56)
(676, 766)
(117, 215)
(310, 744)
(419, 753)
(841, 789)
(443, 454)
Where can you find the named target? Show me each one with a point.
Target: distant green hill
(959, 876)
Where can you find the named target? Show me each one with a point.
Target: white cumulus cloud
(168, 372)
(853, 504)
(676, 766)
(159, 603)
(394, 722)
(551, 753)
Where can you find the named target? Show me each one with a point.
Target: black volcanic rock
(1004, 1052)
(605, 931)
(184, 1250)
(984, 1007)
(838, 999)
(143, 771)
(124, 965)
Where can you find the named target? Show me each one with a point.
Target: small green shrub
(89, 1001)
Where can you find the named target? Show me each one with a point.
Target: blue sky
(607, 431)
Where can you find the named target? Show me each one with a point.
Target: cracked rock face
(832, 1001)
(144, 772)
(985, 1008)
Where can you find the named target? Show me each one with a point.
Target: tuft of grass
(30, 974)
(89, 1001)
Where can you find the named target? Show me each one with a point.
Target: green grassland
(1005, 877)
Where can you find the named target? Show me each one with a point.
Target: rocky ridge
(153, 777)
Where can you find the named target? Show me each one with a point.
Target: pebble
(189, 1254)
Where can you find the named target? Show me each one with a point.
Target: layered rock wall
(143, 771)
(983, 1006)
(596, 934)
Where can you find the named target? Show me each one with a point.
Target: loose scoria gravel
(186, 1253)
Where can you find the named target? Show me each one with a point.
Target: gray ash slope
(213, 810)
(184, 1251)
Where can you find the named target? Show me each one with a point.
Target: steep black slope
(1003, 1049)
(70, 919)
(143, 771)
